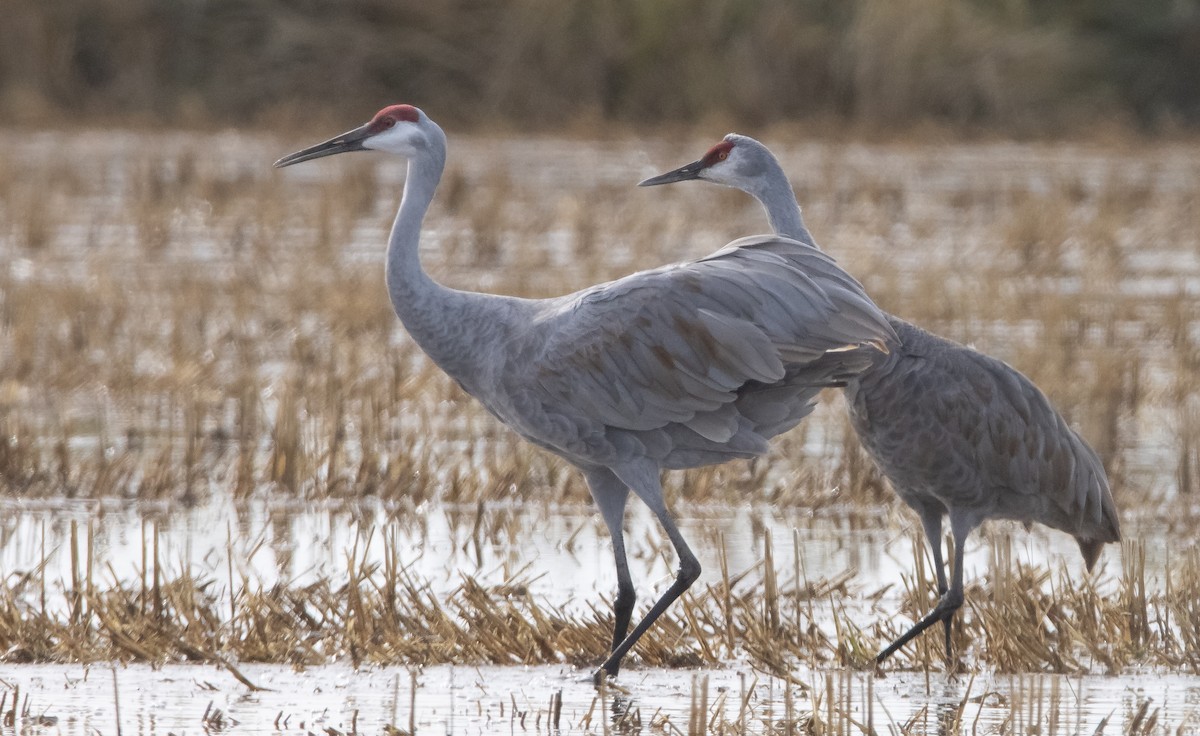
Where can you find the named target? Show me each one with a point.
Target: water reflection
(562, 554)
(488, 700)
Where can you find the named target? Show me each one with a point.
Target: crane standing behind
(678, 367)
(958, 433)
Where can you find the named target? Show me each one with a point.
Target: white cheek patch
(718, 172)
(400, 138)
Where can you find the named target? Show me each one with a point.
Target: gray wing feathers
(947, 421)
(774, 409)
(1093, 495)
(677, 345)
(744, 347)
(1051, 459)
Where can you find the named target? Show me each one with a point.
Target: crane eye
(722, 155)
(388, 122)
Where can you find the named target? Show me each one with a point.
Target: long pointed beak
(351, 140)
(683, 173)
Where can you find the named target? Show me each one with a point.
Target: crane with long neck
(682, 366)
(957, 433)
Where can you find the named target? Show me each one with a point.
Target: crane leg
(645, 483)
(950, 601)
(610, 495)
(948, 626)
(931, 520)
(960, 528)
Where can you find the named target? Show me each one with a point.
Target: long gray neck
(774, 192)
(433, 314)
(413, 293)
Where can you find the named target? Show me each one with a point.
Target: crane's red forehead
(717, 153)
(395, 113)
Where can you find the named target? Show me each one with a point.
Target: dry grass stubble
(182, 326)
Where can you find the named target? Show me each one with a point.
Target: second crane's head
(737, 161)
(399, 129)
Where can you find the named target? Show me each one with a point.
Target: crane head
(737, 161)
(401, 129)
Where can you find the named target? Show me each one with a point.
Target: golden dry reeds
(773, 617)
(179, 324)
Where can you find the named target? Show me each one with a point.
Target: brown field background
(1016, 67)
(182, 320)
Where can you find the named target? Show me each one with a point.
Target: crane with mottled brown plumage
(956, 432)
(677, 367)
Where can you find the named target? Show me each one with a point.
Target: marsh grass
(179, 322)
(1022, 629)
(1019, 618)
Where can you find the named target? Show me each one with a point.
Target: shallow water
(488, 700)
(560, 553)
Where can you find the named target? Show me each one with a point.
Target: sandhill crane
(956, 432)
(682, 366)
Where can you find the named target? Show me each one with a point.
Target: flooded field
(552, 700)
(225, 466)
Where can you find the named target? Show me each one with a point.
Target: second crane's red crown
(392, 114)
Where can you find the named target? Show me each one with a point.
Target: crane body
(677, 367)
(957, 433)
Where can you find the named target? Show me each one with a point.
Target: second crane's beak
(683, 173)
(351, 140)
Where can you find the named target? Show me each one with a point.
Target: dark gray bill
(683, 173)
(351, 140)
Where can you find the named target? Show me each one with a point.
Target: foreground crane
(678, 367)
(958, 433)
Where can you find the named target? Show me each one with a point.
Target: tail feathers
(1102, 523)
(1091, 549)
(1112, 522)
(1108, 530)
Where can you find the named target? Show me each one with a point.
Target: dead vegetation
(1019, 618)
(178, 324)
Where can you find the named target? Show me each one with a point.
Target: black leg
(950, 601)
(646, 484)
(622, 606)
(610, 495)
(931, 520)
(689, 570)
(960, 528)
(943, 611)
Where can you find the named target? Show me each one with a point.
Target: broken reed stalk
(727, 595)
(116, 700)
(698, 706)
(76, 593)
